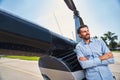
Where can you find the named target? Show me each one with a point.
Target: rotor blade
(70, 5)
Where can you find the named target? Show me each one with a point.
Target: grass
(31, 58)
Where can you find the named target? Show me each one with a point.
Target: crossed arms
(105, 59)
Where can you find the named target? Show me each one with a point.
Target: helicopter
(58, 61)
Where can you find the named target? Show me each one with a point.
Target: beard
(87, 37)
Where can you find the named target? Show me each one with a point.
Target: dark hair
(81, 26)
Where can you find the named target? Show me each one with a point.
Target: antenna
(57, 23)
(73, 36)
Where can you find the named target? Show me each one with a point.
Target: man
(94, 56)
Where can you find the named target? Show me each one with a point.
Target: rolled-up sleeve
(90, 63)
(105, 49)
(108, 61)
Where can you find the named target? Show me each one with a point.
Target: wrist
(100, 58)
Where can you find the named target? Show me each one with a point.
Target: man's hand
(83, 59)
(106, 56)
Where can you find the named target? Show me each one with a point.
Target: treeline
(111, 40)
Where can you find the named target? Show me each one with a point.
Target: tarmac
(115, 68)
(32, 68)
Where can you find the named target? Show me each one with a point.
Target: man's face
(84, 33)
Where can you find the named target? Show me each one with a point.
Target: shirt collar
(91, 40)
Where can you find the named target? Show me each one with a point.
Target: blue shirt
(95, 69)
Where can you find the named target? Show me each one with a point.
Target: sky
(101, 16)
